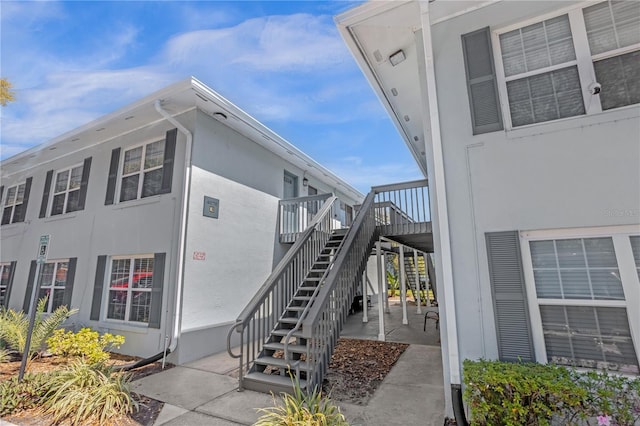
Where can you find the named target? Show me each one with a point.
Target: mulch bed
(358, 367)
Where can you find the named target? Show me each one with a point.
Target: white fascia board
(352, 18)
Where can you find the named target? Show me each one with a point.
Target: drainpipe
(443, 217)
(177, 318)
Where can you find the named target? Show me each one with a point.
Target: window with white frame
(66, 191)
(142, 171)
(129, 292)
(581, 287)
(12, 206)
(581, 62)
(5, 277)
(53, 280)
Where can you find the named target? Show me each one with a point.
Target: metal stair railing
(260, 316)
(295, 215)
(324, 320)
(323, 323)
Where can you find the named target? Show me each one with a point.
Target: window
(13, 206)
(551, 69)
(130, 285)
(53, 282)
(66, 191)
(6, 277)
(635, 247)
(585, 312)
(146, 170)
(142, 171)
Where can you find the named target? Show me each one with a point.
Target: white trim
(51, 284)
(129, 289)
(441, 206)
(53, 193)
(537, 335)
(630, 285)
(615, 52)
(541, 70)
(582, 302)
(554, 234)
(141, 170)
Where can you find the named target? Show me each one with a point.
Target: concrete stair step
(267, 383)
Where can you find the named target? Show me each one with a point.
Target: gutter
(177, 317)
(443, 217)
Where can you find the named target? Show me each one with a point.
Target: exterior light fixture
(305, 182)
(397, 57)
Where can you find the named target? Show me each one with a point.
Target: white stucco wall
(564, 174)
(145, 226)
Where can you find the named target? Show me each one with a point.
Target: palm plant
(14, 327)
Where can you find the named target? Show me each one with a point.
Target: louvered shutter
(84, 183)
(113, 177)
(169, 156)
(511, 312)
(68, 286)
(155, 312)
(486, 115)
(98, 285)
(45, 194)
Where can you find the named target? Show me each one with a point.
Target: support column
(381, 295)
(386, 288)
(427, 280)
(365, 317)
(417, 296)
(403, 287)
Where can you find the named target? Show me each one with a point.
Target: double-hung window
(13, 209)
(66, 191)
(142, 171)
(130, 289)
(581, 62)
(584, 300)
(53, 282)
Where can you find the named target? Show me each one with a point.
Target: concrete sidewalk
(205, 393)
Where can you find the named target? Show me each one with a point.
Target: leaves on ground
(358, 367)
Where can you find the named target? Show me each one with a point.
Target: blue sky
(282, 62)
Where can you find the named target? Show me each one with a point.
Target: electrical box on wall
(211, 207)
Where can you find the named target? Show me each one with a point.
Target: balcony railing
(402, 208)
(295, 215)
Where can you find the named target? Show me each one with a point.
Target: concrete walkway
(205, 393)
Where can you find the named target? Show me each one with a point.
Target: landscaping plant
(84, 393)
(302, 408)
(15, 325)
(513, 394)
(24, 395)
(86, 343)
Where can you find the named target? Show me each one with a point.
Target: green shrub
(16, 396)
(510, 394)
(5, 355)
(86, 343)
(302, 408)
(84, 393)
(15, 325)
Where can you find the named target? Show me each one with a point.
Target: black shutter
(45, 194)
(7, 291)
(155, 312)
(486, 115)
(1, 194)
(113, 177)
(27, 295)
(21, 210)
(510, 308)
(98, 285)
(167, 165)
(86, 168)
(68, 287)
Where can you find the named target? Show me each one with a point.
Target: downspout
(443, 217)
(177, 318)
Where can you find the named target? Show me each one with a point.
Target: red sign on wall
(199, 255)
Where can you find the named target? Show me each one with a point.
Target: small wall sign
(211, 207)
(199, 255)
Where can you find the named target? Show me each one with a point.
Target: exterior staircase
(415, 282)
(284, 354)
(288, 331)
